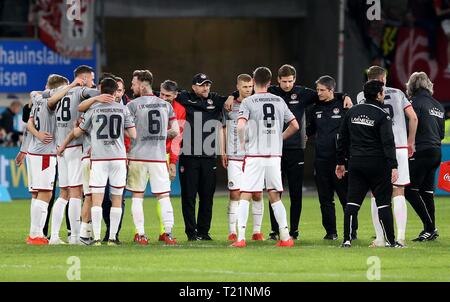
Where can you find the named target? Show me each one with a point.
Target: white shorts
(29, 173)
(140, 172)
(43, 172)
(86, 173)
(114, 170)
(446, 26)
(403, 167)
(235, 173)
(69, 167)
(259, 171)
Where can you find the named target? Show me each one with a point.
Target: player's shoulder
(394, 93)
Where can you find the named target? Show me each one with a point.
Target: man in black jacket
(427, 158)
(298, 98)
(366, 138)
(199, 155)
(324, 123)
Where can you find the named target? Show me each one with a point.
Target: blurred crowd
(11, 124)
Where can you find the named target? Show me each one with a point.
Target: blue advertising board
(25, 65)
(13, 179)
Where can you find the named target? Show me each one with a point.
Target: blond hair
(417, 81)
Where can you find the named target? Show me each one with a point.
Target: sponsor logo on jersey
(363, 120)
(294, 98)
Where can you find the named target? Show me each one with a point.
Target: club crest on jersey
(294, 99)
(336, 111)
(231, 184)
(211, 104)
(181, 169)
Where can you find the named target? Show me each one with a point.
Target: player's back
(151, 116)
(395, 103)
(44, 120)
(266, 114)
(106, 124)
(67, 112)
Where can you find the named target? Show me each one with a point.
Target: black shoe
(331, 237)
(346, 244)
(205, 237)
(294, 235)
(434, 235)
(425, 236)
(396, 245)
(273, 236)
(105, 239)
(85, 240)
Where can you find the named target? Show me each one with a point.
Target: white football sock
(114, 220)
(31, 216)
(166, 214)
(38, 209)
(75, 217)
(137, 211)
(400, 214)
(258, 214)
(96, 214)
(242, 218)
(42, 207)
(232, 216)
(376, 222)
(279, 212)
(84, 230)
(57, 216)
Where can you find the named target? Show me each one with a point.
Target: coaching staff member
(298, 98)
(366, 138)
(324, 123)
(426, 159)
(197, 162)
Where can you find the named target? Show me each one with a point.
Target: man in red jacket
(169, 92)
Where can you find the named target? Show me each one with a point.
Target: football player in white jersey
(155, 122)
(233, 159)
(42, 153)
(397, 106)
(260, 129)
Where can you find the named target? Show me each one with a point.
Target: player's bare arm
(412, 125)
(291, 129)
(54, 99)
(43, 136)
(242, 122)
(174, 129)
(102, 98)
(223, 147)
(131, 132)
(70, 137)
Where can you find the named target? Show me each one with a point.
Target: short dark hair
(109, 86)
(287, 70)
(144, 76)
(372, 88)
(119, 79)
(105, 75)
(375, 72)
(327, 81)
(169, 85)
(262, 76)
(82, 69)
(56, 80)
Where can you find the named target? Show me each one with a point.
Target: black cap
(200, 79)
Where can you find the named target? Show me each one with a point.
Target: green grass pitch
(312, 259)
